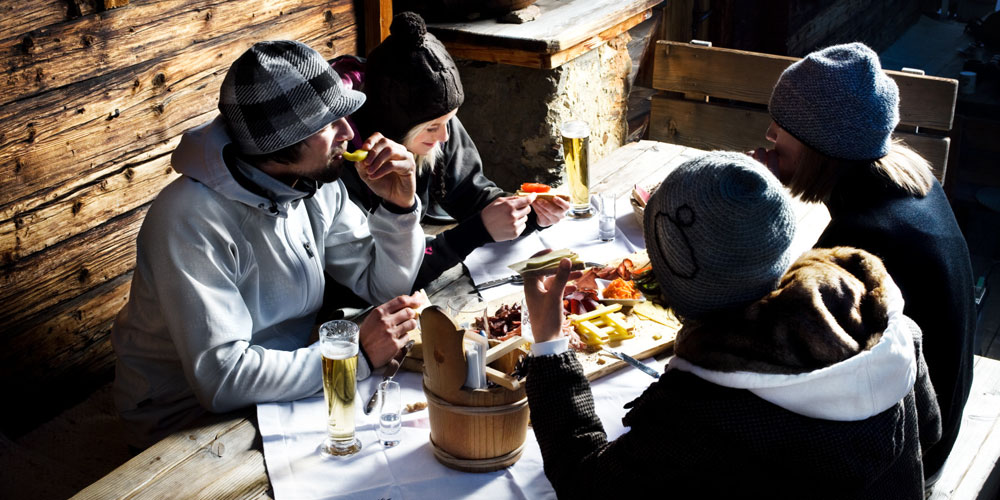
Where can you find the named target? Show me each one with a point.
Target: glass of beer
(576, 152)
(338, 342)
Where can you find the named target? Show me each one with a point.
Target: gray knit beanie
(280, 92)
(839, 102)
(718, 232)
(409, 79)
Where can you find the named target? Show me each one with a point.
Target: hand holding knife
(390, 371)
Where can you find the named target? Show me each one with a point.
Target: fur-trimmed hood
(830, 342)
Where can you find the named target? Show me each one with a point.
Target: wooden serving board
(651, 337)
(655, 330)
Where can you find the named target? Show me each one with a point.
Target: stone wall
(513, 113)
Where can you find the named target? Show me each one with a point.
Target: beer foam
(338, 349)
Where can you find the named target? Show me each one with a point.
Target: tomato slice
(535, 187)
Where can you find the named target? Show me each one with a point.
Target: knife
(390, 371)
(632, 361)
(516, 279)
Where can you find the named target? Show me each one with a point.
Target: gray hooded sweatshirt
(228, 283)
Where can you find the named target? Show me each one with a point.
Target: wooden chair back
(715, 98)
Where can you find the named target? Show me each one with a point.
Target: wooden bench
(715, 98)
(970, 471)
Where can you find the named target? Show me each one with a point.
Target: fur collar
(829, 306)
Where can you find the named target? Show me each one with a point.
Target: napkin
(292, 432)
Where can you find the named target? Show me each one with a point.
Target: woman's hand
(389, 170)
(549, 211)
(544, 298)
(506, 217)
(768, 157)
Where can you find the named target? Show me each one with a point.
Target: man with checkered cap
(232, 255)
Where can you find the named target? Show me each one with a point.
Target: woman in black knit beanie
(413, 92)
(833, 115)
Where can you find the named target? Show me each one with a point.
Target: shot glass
(390, 407)
(468, 310)
(606, 222)
(338, 342)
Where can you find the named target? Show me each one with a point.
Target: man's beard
(331, 172)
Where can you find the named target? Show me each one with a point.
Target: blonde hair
(424, 162)
(818, 174)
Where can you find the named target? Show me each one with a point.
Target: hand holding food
(384, 330)
(544, 298)
(506, 217)
(389, 170)
(541, 191)
(355, 156)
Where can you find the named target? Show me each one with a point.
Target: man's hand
(389, 170)
(506, 217)
(384, 330)
(550, 211)
(544, 298)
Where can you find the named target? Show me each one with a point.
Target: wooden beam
(34, 230)
(67, 270)
(377, 19)
(61, 140)
(541, 60)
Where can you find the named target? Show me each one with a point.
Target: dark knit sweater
(924, 251)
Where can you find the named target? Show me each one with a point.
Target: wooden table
(222, 456)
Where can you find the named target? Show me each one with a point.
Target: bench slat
(925, 101)
(714, 126)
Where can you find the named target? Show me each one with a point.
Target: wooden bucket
(479, 430)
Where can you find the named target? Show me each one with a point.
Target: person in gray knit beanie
(839, 102)
(280, 92)
(718, 232)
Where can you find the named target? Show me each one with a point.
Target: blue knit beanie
(718, 232)
(839, 102)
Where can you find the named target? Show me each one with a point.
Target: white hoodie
(856, 388)
(227, 286)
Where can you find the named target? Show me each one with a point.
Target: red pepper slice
(535, 187)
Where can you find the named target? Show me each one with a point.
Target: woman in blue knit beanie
(833, 115)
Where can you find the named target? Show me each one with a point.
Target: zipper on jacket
(309, 249)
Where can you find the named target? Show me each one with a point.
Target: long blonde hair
(818, 174)
(427, 161)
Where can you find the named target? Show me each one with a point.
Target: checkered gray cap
(280, 92)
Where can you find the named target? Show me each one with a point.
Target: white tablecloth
(293, 431)
(490, 262)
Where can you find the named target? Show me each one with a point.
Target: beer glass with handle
(576, 153)
(338, 341)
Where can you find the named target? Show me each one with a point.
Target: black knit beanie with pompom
(409, 79)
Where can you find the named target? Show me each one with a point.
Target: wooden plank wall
(92, 102)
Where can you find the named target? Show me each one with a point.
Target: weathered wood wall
(92, 102)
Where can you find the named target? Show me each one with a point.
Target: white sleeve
(378, 256)
(549, 347)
